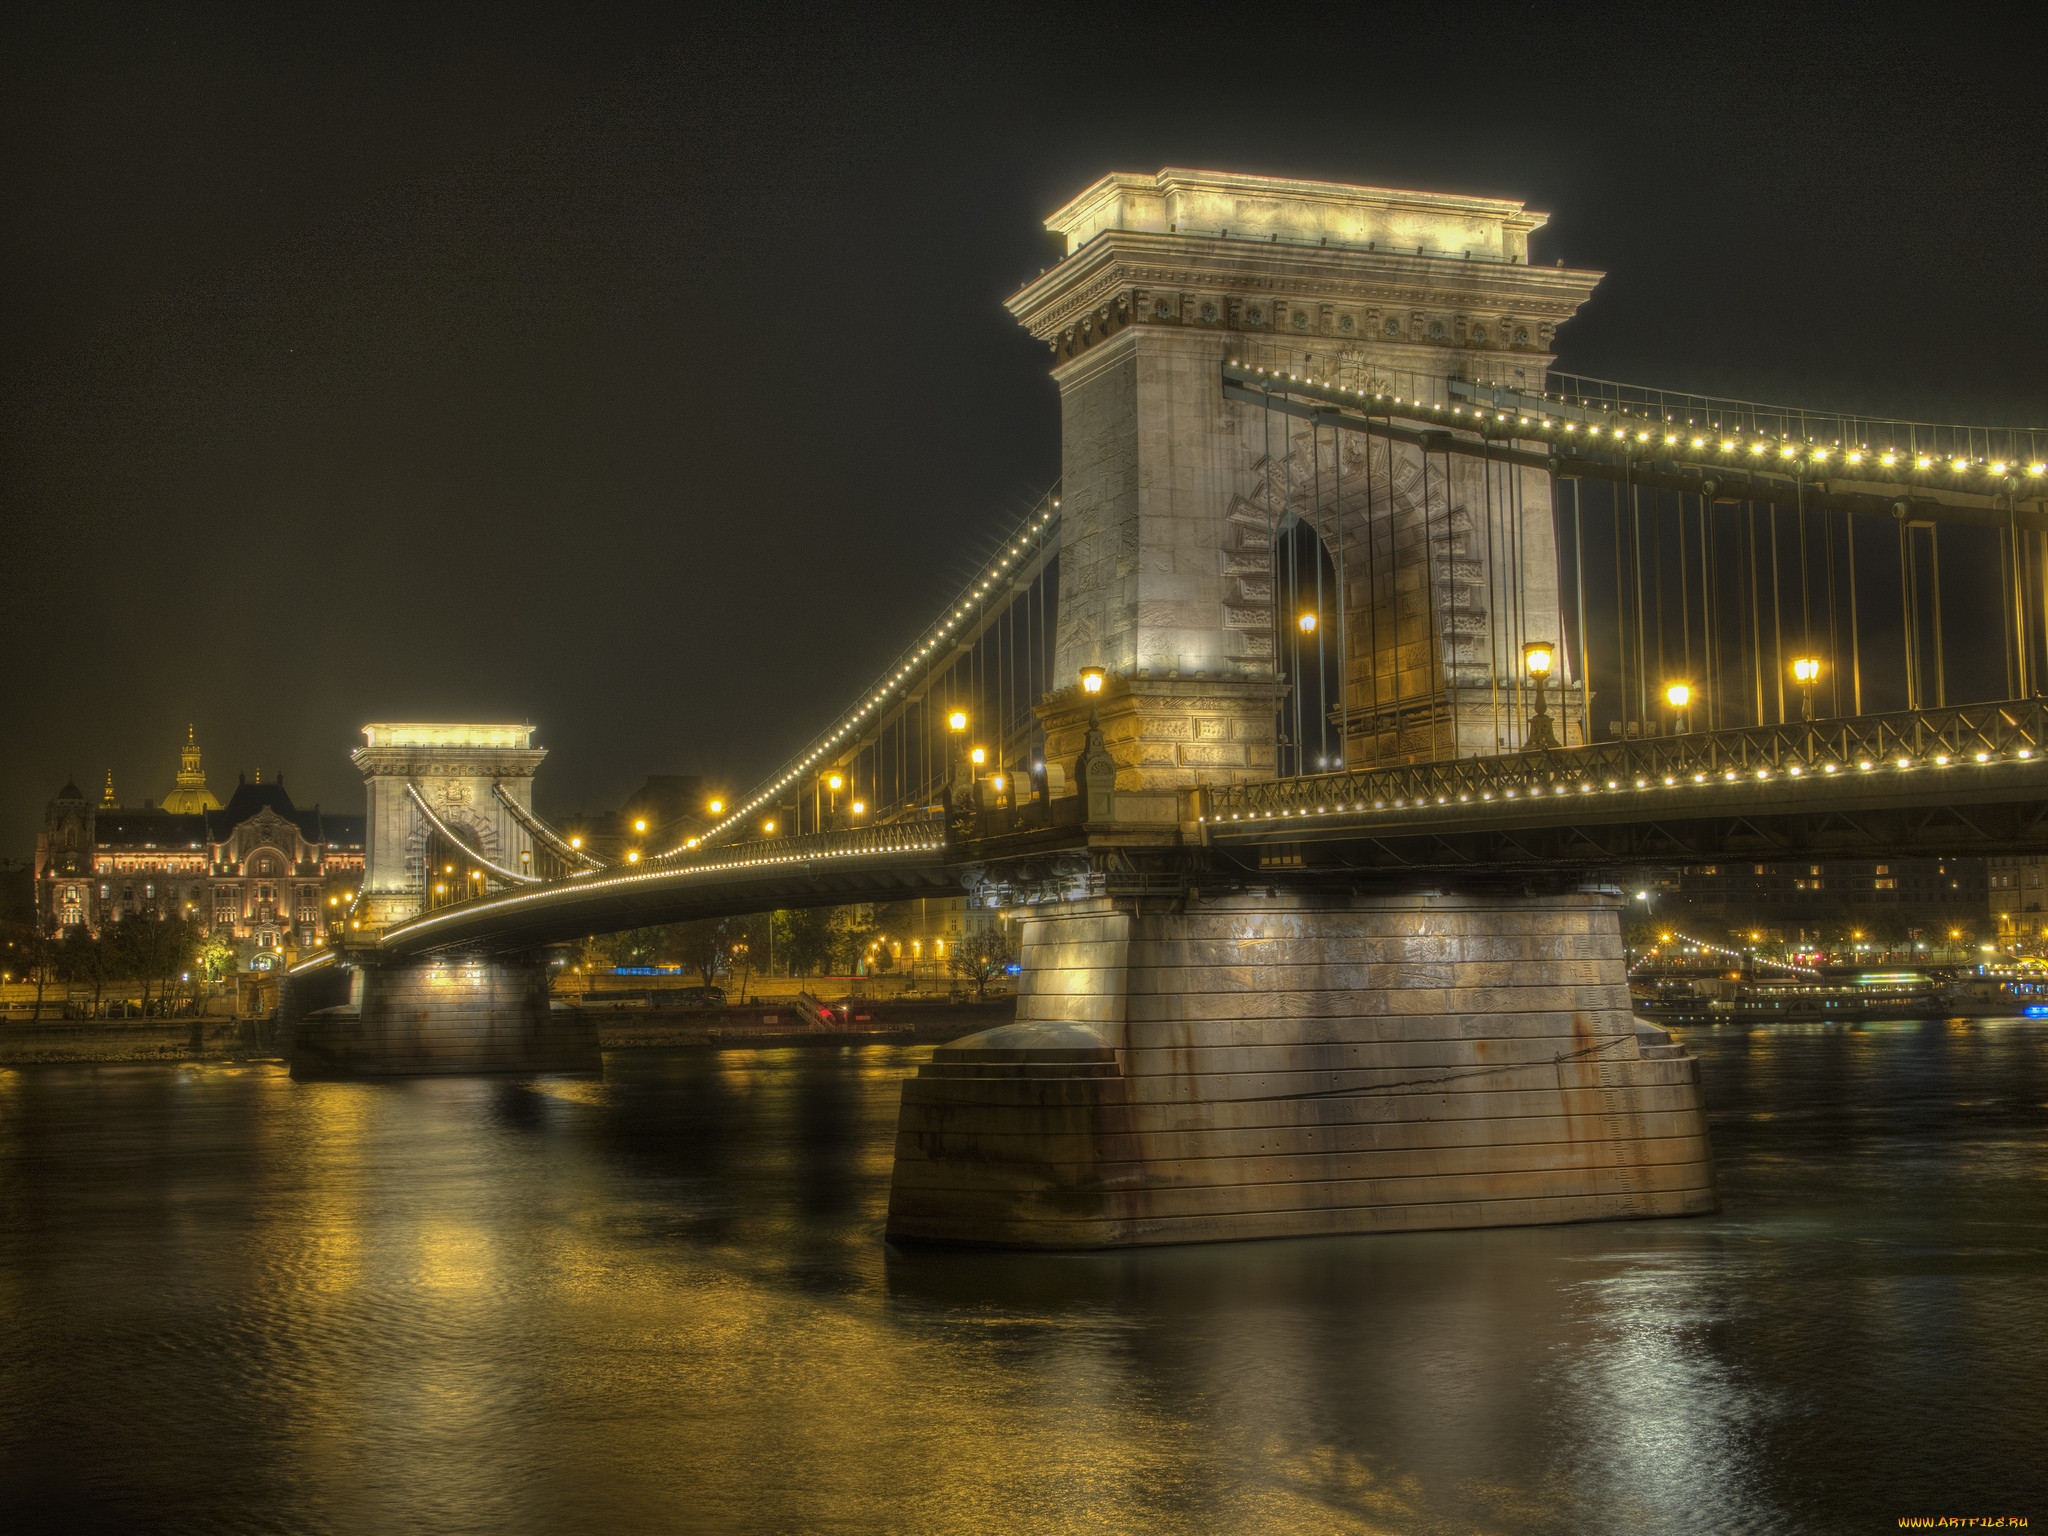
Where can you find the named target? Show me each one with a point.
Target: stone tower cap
(1184, 202)
(446, 734)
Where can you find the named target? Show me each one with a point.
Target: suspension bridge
(1354, 648)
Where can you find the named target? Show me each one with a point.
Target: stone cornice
(439, 762)
(1214, 271)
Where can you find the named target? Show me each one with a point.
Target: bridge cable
(1657, 578)
(1432, 632)
(1496, 600)
(448, 832)
(1620, 603)
(1372, 587)
(1343, 611)
(1910, 610)
(1756, 616)
(1710, 613)
(1272, 581)
(1321, 629)
(1940, 669)
(537, 828)
(1777, 612)
(1635, 516)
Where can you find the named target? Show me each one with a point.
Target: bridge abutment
(1284, 1064)
(437, 1015)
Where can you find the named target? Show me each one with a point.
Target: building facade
(2017, 907)
(258, 871)
(1908, 900)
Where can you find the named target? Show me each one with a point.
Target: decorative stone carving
(1095, 772)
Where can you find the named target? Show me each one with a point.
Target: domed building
(258, 870)
(191, 796)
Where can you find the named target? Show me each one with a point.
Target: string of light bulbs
(1734, 954)
(1807, 772)
(909, 668)
(1734, 445)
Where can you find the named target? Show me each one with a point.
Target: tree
(747, 947)
(630, 947)
(980, 955)
(807, 937)
(156, 949)
(37, 953)
(704, 946)
(92, 959)
(213, 960)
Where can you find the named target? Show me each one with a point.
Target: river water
(661, 1302)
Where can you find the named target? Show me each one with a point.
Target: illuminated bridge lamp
(1679, 697)
(1308, 623)
(1539, 657)
(833, 781)
(575, 842)
(633, 857)
(640, 825)
(860, 807)
(717, 807)
(957, 721)
(768, 827)
(1092, 679)
(977, 756)
(1807, 670)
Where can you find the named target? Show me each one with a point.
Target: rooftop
(445, 734)
(1223, 203)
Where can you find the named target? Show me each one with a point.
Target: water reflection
(660, 1301)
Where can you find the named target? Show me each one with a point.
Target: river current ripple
(661, 1302)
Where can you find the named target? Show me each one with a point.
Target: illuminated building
(2018, 906)
(258, 870)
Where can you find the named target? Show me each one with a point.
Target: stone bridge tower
(455, 768)
(1170, 490)
(1204, 1050)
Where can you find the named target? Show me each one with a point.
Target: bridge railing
(908, 835)
(1963, 733)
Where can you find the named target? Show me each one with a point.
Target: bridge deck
(1967, 778)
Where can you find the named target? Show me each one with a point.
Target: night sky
(644, 375)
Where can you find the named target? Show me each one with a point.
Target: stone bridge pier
(1304, 1061)
(433, 1015)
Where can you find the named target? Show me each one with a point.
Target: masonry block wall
(1257, 1067)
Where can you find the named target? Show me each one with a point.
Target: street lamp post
(1807, 670)
(1679, 697)
(1538, 657)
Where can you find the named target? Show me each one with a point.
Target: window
(1813, 869)
(1887, 885)
(1761, 869)
(1882, 869)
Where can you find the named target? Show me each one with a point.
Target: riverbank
(764, 1026)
